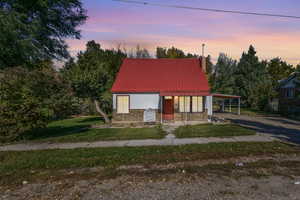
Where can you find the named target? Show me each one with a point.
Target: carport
(223, 98)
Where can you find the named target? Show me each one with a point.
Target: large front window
(197, 104)
(122, 104)
(190, 104)
(184, 104)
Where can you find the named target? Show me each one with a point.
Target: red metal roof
(164, 76)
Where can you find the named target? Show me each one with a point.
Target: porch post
(223, 105)
(230, 105)
(239, 108)
(161, 109)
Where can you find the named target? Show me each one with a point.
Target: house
(160, 90)
(289, 94)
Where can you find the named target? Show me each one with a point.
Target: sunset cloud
(113, 24)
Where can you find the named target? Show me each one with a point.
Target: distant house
(161, 90)
(289, 94)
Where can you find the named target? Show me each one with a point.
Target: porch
(183, 109)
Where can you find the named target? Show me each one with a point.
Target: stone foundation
(134, 115)
(137, 115)
(190, 116)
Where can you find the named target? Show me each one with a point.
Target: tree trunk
(103, 114)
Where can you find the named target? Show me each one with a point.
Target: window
(290, 93)
(122, 104)
(197, 104)
(184, 104)
(188, 104)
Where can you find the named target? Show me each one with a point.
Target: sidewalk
(169, 140)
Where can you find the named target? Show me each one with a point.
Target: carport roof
(225, 96)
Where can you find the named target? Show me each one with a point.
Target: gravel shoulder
(260, 178)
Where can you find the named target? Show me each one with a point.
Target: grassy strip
(252, 112)
(54, 165)
(13, 162)
(210, 130)
(78, 130)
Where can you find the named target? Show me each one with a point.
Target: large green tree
(29, 99)
(93, 74)
(34, 30)
(223, 79)
(279, 69)
(252, 80)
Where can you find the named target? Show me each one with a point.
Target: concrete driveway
(278, 127)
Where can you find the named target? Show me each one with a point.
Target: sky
(114, 24)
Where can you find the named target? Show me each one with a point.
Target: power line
(207, 9)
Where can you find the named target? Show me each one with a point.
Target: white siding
(209, 105)
(140, 101)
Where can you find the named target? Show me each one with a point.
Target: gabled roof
(293, 76)
(164, 76)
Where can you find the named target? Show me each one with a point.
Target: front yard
(79, 130)
(210, 130)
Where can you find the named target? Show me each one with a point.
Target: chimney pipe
(203, 59)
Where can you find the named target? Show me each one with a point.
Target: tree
(209, 65)
(140, 53)
(297, 68)
(173, 53)
(223, 79)
(209, 70)
(93, 74)
(279, 70)
(30, 99)
(251, 78)
(161, 52)
(33, 31)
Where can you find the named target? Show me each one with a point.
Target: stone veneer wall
(137, 115)
(190, 116)
(134, 115)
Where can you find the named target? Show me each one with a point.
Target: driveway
(278, 127)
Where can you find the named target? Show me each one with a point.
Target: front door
(168, 108)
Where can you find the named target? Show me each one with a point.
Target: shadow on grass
(91, 119)
(62, 128)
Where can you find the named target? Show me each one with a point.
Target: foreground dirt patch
(240, 178)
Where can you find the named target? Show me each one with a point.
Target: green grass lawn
(78, 130)
(254, 112)
(210, 130)
(20, 165)
(246, 111)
